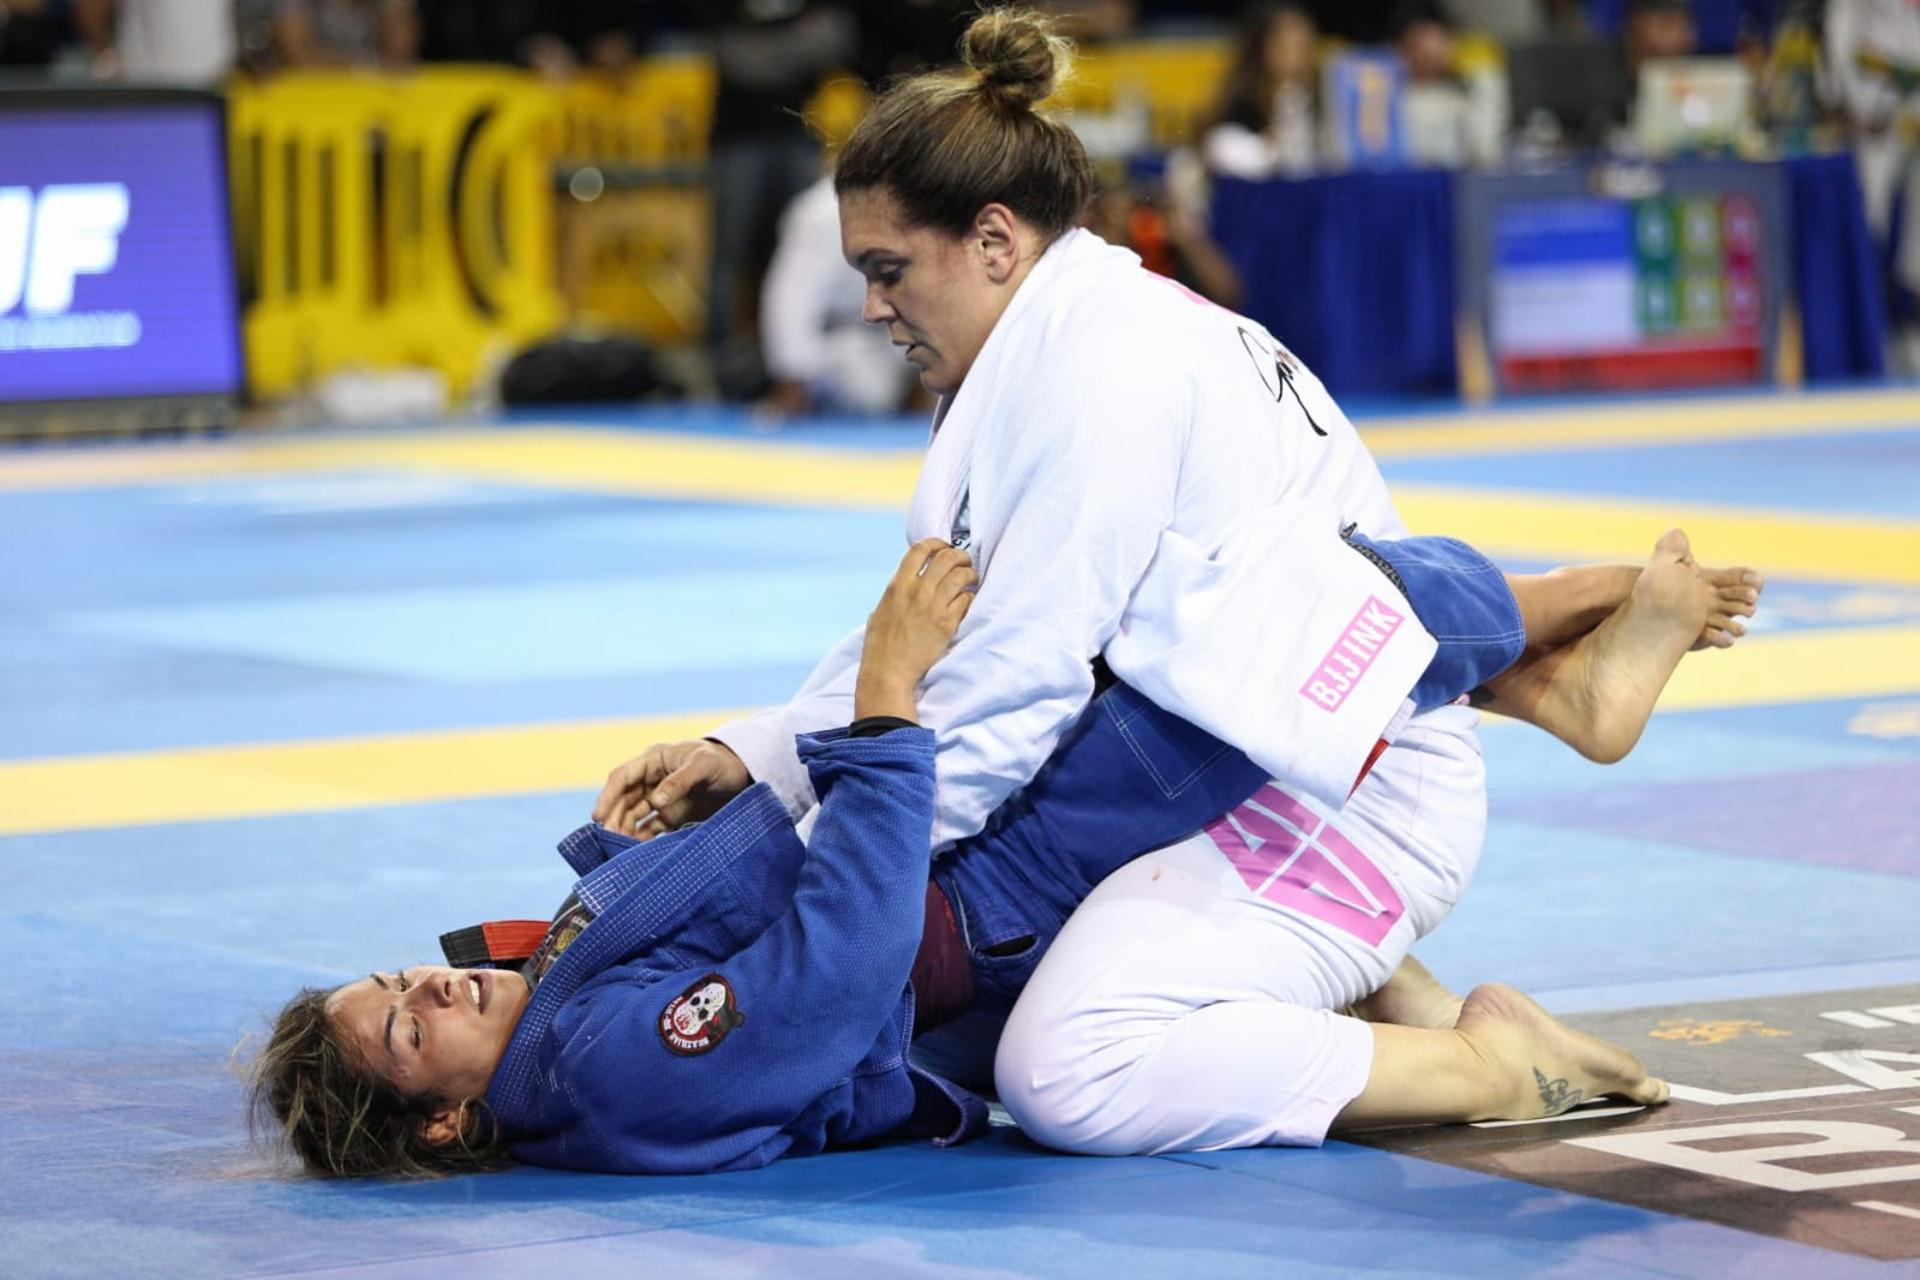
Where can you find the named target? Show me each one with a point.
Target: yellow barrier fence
(395, 220)
(388, 221)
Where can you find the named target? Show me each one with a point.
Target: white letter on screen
(75, 232)
(16, 215)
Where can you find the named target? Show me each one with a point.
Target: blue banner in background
(116, 265)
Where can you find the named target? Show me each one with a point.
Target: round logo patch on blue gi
(700, 1017)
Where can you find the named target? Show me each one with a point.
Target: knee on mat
(1061, 1091)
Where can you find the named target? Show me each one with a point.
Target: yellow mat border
(77, 793)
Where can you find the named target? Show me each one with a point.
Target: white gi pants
(1186, 1005)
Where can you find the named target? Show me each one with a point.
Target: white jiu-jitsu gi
(1143, 474)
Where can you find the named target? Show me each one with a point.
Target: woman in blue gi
(724, 995)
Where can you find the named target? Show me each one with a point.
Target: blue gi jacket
(740, 996)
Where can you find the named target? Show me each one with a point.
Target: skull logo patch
(700, 1017)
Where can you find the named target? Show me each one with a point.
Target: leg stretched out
(1580, 652)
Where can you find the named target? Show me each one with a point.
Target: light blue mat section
(634, 625)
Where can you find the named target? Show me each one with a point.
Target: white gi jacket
(1144, 474)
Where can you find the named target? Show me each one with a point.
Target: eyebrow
(382, 984)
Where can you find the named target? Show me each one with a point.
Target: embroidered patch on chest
(700, 1017)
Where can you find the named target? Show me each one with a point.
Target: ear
(998, 238)
(443, 1126)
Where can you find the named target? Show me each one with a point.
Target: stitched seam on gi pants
(1489, 638)
(1123, 724)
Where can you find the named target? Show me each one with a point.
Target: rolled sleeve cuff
(765, 745)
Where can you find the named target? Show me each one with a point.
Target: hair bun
(1016, 54)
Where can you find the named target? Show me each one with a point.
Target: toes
(1651, 1091)
(1741, 582)
(1673, 545)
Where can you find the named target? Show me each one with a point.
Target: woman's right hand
(912, 626)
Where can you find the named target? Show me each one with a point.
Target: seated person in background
(724, 996)
(1168, 240)
(1873, 69)
(1435, 106)
(1658, 29)
(1266, 121)
(346, 33)
(821, 355)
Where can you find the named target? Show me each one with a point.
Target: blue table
(1355, 272)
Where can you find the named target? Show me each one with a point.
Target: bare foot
(1551, 1068)
(1412, 997)
(1736, 596)
(1596, 693)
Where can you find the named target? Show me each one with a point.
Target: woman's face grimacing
(938, 295)
(430, 1030)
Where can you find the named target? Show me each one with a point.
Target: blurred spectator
(1435, 109)
(174, 42)
(1658, 29)
(30, 33)
(901, 36)
(345, 33)
(1785, 57)
(1718, 24)
(1167, 241)
(1267, 118)
(821, 355)
(1091, 21)
(770, 56)
(1873, 55)
(1508, 21)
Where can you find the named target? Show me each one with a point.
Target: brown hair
(341, 1119)
(946, 143)
(1246, 94)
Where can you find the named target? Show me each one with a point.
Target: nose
(434, 991)
(876, 310)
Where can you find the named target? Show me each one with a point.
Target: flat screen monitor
(1582, 84)
(116, 258)
(1608, 279)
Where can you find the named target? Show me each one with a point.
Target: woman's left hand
(912, 626)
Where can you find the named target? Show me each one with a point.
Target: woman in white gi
(1145, 477)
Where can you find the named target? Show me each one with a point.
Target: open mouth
(477, 989)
